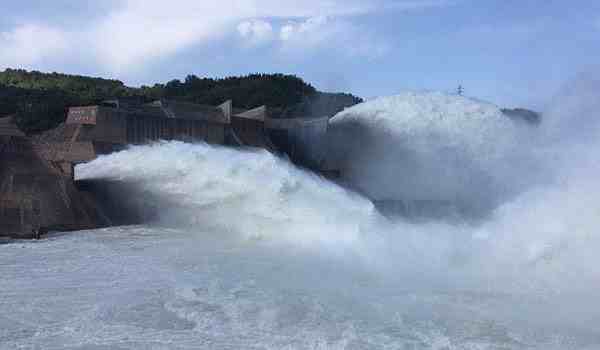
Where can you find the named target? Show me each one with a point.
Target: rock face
(36, 195)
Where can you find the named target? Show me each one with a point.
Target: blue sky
(508, 52)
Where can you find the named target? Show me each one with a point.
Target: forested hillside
(85, 88)
(35, 109)
(274, 90)
(39, 100)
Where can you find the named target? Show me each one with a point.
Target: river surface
(158, 288)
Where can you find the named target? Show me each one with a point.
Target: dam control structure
(38, 191)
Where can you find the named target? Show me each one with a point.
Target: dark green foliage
(523, 114)
(321, 104)
(9, 98)
(35, 110)
(84, 88)
(40, 100)
(41, 110)
(273, 90)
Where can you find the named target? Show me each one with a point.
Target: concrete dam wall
(38, 192)
(35, 195)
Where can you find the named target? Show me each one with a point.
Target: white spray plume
(432, 146)
(540, 241)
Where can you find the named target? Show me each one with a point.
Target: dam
(38, 190)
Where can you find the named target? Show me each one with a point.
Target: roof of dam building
(191, 111)
(163, 108)
(259, 113)
(169, 109)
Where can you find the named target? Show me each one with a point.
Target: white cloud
(255, 32)
(137, 32)
(329, 32)
(315, 29)
(142, 30)
(29, 44)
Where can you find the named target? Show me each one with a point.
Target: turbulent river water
(249, 252)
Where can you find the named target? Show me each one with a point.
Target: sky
(509, 52)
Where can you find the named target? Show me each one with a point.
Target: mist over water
(434, 146)
(249, 251)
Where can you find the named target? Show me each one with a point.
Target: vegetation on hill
(523, 114)
(321, 104)
(273, 90)
(40, 100)
(35, 110)
(85, 88)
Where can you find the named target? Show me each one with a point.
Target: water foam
(251, 193)
(530, 265)
(254, 195)
(432, 146)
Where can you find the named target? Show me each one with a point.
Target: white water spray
(249, 251)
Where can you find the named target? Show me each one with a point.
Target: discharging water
(249, 252)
